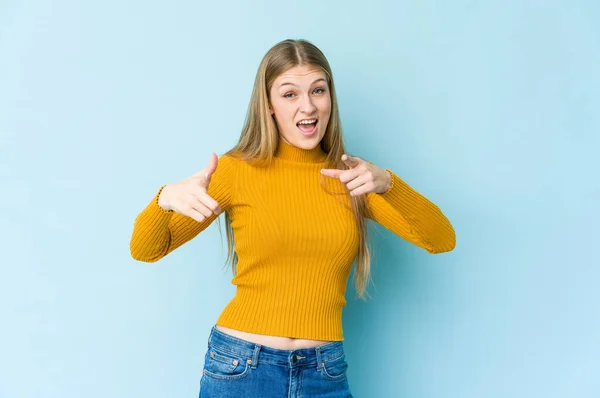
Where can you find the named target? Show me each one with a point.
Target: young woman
(295, 208)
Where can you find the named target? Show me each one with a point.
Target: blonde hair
(259, 139)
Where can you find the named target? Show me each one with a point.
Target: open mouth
(308, 127)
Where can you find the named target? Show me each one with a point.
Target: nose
(307, 106)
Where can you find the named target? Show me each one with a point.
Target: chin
(309, 143)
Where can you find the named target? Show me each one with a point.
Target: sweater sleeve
(412, 216)
(157, 232)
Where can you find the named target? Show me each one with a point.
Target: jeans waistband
(257, 352)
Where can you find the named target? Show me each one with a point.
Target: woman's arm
(412, 216)
(395, 205)
(157, 232)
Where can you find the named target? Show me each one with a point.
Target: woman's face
(301, 104)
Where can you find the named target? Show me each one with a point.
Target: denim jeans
(238, 368)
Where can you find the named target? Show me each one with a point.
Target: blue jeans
(239, 368)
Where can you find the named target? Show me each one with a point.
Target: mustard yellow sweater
(295, 242)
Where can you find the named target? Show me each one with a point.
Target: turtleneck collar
(290, 152)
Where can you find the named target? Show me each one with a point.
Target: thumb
(350, 161)
(206, 173)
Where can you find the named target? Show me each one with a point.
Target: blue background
(490, 109)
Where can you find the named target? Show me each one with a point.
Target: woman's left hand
(363, 177)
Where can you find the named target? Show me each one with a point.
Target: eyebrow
(292, 84)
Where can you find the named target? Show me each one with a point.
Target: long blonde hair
(259, 139)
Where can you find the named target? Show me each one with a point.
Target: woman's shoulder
(241, 159)
(233, 158)
(227, 164)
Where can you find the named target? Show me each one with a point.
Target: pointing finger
(333, 173)
(212, 204)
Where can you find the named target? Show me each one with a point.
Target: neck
(290, 152)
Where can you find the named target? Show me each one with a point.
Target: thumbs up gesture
(362, 177)
(189, 197)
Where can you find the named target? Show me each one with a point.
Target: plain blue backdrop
(490, 109)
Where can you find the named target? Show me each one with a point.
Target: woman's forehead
(301, 74)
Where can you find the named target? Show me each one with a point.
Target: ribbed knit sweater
(295, 241)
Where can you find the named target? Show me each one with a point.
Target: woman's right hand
(189, 197)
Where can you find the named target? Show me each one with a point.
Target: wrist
(390, 181)
(162, 199)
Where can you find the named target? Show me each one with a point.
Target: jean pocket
(225, 365)
(335, 369)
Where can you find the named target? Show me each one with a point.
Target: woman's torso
(292, 266)
(283, 343)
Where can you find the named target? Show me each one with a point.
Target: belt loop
(254, 364)
(212, 330)
(318, 352)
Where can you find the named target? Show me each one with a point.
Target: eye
(288, 95)
(319, 90)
